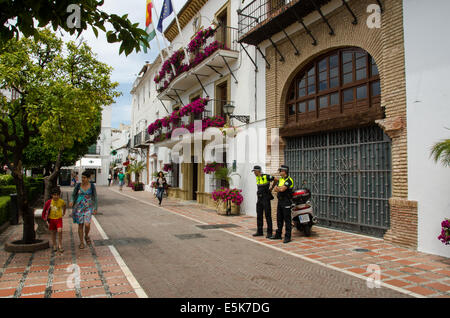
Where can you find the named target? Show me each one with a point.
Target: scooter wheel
(307, 229)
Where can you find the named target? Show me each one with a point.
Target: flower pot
(235, 209)
(221, 207)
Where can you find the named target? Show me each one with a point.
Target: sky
(125, 68)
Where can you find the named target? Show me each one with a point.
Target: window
(337, 81)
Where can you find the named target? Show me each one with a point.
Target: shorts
(54, 224)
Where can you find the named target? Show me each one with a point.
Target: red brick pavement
(45, 273)
(423, 274)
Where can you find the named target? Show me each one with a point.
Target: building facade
(343, 83)
(221, 70)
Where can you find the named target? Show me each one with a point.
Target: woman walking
(84, 203)
(161, 185)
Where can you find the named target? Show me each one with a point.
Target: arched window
(339, 82)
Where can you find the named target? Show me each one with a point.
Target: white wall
(428, 112)
(248, 94)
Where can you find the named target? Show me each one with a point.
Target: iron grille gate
(349, 174)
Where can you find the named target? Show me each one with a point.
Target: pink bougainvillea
(212, 167)
(445, 232)
(200, 39)
(225, 194)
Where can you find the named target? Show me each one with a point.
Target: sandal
(55, 249)
(88, 240)
(81, 246)
(60, 249)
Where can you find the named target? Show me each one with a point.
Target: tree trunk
(50, 181)
(29, 235)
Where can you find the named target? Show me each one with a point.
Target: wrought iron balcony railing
(261, 19)
(137, 139)
(226, 38)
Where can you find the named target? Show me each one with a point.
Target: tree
(137, 167)
(17, 16)
(37, 155)
(441, 152)
(60, 94)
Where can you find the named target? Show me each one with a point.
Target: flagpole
(179, 30)
(159, 46)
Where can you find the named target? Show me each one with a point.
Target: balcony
(216, 62)
(261, 19)
(162, 137)
(93, 150)
(139, 140)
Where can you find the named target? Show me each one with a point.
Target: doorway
(194, 178)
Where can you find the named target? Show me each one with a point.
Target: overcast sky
(126, 68)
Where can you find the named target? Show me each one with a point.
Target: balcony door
(222, 16)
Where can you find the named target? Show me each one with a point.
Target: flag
(149, 28)
(165, 12)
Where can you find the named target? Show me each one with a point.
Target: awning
(90, 163)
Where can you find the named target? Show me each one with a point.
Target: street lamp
(228, 109)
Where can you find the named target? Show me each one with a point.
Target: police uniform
(263, 203)
(284, 209)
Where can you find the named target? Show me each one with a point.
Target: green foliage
(62, 91)
(23, 14)
(441, 152)
(6, 179)
(5, 209)
(225, 174)
(7, 190)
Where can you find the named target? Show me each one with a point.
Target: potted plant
(228, 200)
(137, 167)
(219, 196)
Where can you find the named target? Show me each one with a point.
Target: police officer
(284, 194)
(263, 202)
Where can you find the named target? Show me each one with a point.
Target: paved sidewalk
(418, 274)
(45, 274)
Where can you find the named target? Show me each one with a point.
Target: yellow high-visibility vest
(281, 182)
(262, 180)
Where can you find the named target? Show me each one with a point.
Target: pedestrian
(284, 193)
(121, 180)
(73, 181)
(115, 177)
(109, 179)
(53, 212)
(264, 196)
(161, 185)
(84, 203)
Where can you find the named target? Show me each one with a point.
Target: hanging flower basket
(167, 167)
(212, 167)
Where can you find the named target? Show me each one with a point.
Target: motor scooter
(302, 210)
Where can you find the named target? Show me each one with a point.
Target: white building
(120, 144)
(146, 108)
(98, 158)
(230, 75)
(428, 116)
